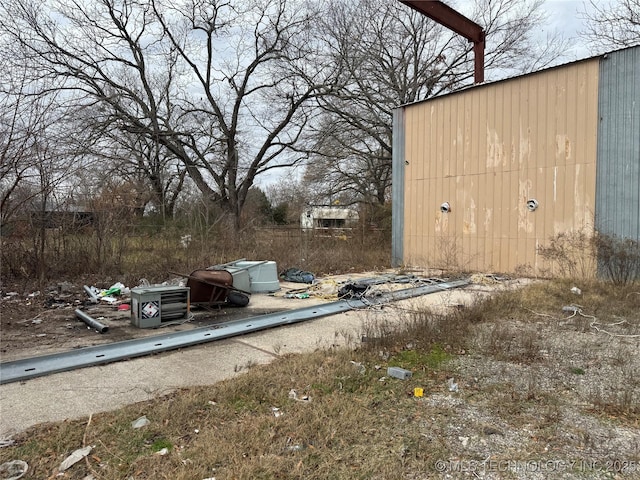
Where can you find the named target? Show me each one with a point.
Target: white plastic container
(263, 275)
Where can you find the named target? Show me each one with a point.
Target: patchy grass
(538, 388)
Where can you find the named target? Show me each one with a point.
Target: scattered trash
(576, 290)
(125, 307)
(361, 368)
(7, 443)
(107, 295)
(276, 412)
(74, 458)
(164, 451)
(211, 402)
(296, 295)
(453, 386)
(570, 308)
(143, 282)
(36, 321)
(294, 396)
(294, 448)
(418, 392)
(34, 294)
(13, 470)
(92, 292)
(297, 276)
(109, 299)
(143, 421)
(397, 372)
(115, 289)
(91, 321)
(353, 290)
(196, 431)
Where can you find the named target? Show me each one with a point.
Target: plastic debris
(294, 396)
(576, 291)
(294, 448)
(301, 296)
(7, 443)
(115, 289)
(297, 276)
(453, 386)
(418, 392)
(143, 421)
(13, 470)
(74, 458)
(397, 372)
(276, 412)
(164, 451)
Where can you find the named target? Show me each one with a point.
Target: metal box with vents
(153, 306)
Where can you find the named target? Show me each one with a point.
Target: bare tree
(393, 55)
(611, 25)
(28, 120)
(35, 163)
(153, 172)
(224, 87)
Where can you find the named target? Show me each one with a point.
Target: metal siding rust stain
(496, 157)
(525, 223)
(563, 147)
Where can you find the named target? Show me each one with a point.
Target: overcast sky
(563, 15)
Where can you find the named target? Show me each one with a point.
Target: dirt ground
(41, 322)
(44, 322)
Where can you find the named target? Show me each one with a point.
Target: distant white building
(328, 217)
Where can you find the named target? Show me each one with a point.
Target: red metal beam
(453, 20)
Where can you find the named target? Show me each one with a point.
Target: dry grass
(152, 255)
(535, 385)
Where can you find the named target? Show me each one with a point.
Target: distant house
(319, 217)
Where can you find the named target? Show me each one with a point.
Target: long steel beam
(20, 370)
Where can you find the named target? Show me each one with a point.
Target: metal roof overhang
(453, 20)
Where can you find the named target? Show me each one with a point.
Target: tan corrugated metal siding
(487, 151)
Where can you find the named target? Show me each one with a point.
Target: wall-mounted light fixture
(445, 207)
(532, 204)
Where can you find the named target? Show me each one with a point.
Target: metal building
(484, 177)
